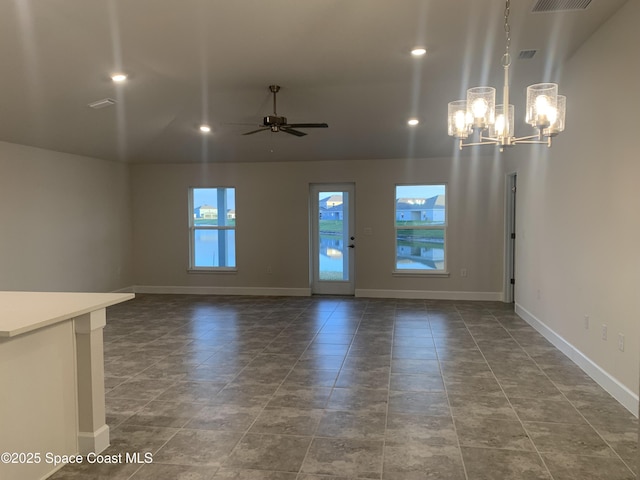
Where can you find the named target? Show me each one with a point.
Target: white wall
(578, 226)
(65, 222)
(272, 206)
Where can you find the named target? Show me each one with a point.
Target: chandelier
(489, 124)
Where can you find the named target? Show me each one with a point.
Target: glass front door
(333, 240)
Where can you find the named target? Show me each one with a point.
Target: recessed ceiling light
(418, 51)
(119, 77)
(205, 128)
(413, 122)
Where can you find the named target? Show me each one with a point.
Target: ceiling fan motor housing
(274, 120)
(276, 123)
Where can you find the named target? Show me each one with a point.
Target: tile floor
(256, 388)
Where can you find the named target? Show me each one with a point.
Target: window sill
(419, 273)
(212, 270)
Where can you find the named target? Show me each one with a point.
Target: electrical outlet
(463, 272)
(269, 270)
(586, 322)
(621, 342)
(604, 332)
(538, 294)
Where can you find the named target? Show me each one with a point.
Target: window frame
(193, 228)
(444, 272)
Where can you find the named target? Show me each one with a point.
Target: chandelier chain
(506, 59)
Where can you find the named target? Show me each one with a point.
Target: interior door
(332, 239)
(510, 243)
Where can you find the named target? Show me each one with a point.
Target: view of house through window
(212, 228)
(421, 224)
(333, 260)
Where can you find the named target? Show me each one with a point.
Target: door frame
(331, 287)
(511, 188)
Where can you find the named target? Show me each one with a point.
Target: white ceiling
(344, 62)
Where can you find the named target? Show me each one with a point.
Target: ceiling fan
(277, 123)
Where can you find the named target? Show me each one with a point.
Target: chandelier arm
(489, 139)
(529, 137)
(546, 142)
(474, 144)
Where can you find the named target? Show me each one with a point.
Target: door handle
(352, 246)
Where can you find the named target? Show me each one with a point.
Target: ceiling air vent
(105, 102)
(526, 54)
(548, 6)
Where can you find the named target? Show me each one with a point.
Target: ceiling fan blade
(292, 131)
(256, 131)
(308, 125)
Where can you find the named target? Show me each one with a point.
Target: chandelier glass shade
(480, 118)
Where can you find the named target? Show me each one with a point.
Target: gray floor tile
(241, 474)
(311, 378)
(412, 366)
(336, 388)
(575, 467)
(606, 412)
(191, 392)
(530, 387)
(371, 377)
(355, 424)
(269, 452)
(425, 430)
(419, 403)
(154, 471)
(488, 432)
(497, 464)
(143, 388)
(324, 362)
(165, 414)
(481, 406)
(287, 421)
(305, 476)
(546, 410)
(198, 447)
(339, 456)
(415, 461)
(479, 384)
(355, 399)
(139, 438)
(417, 383)
(295, 396)
(623, 438)
(568, 439)
(224, 417)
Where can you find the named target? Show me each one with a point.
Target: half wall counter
(51, 378)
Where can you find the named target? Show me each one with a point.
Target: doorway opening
(332, 249)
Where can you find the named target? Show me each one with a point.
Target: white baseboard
(429, 295)
(257, 291)
(129, 289)
(93, 442)
(306, 292)
(616, 389)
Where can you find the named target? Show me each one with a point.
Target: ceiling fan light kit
(492, 124)
(277, 123)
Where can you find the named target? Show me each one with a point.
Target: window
(212, 228)
(421, 228)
